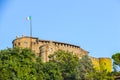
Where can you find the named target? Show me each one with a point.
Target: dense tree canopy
(67, 63)
(14, 62)
(84, 67)
(22, 64)
(102, 75)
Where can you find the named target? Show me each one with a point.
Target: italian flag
(28, 18)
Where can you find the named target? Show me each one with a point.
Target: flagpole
(30, 32)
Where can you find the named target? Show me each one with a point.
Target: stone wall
(44, 48)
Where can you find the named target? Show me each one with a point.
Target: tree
(67, 63)
(17, 64)
(101, 75)
(52, 71)
(84, 68)
(22, 64)
(116, 61)
(38, 69)
(116, 64)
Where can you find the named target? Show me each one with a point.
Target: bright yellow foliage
(96, 65)
(105, 64)
(101, 64)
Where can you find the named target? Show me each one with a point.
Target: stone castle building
(44, 48)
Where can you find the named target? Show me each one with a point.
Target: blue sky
(94, 25)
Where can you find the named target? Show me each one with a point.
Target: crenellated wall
(47, 46)
(44, 48)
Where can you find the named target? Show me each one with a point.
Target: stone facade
(44, 48)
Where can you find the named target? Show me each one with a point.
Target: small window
(41, 51)
(18, 43)
(34, 43)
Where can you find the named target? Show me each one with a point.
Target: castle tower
(25, 42)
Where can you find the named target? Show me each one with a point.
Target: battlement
(47, 47)
(47, 41)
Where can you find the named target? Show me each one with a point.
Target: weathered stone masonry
(43, 48)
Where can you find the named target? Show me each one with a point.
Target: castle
(44, 48)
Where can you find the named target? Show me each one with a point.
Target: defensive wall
(44, 48)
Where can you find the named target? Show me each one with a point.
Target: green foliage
(14, 62)
(67, 63)
(21, 64)
(116, 58)
(52, 71)
(116, 61)
(103, 75)
(84, 67)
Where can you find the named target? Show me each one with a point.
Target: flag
(28, 18)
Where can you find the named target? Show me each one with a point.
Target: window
(34, 43)
(41, 51)
(19, 43)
